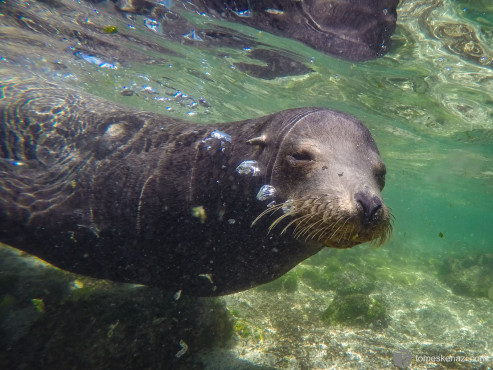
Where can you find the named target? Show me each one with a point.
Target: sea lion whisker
(380, 236)
(392, 217)
(322, 231)
(309, 227)
(298, 220)
(280, 218)
(306, 222)
(312, 228)
(305, 227)
(348, 232)
(342, 235)
(301, 231)
(299, 228)
(342, 225)
(386, 234)
(267, 211)
(335, 227)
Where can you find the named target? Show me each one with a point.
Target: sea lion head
(328, 177)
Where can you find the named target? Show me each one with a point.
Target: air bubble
(288, 206)
(266, 192)
(220, 135)
(248, 168)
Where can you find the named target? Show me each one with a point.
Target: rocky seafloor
(356, 308)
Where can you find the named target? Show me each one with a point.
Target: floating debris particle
(243, 13)
(274, 11)
(126, 91)
(207, 276)
(177, 295)
(110, 29)
(153, 25)
(183, 350)
(266, 192)
(77, 284)
(199, 212)
(39, 304)
(111, 329)
(204, 102)
(248, 168)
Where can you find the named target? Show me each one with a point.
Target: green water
(429, 105)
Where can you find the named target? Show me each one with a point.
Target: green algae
(353, 281)
(468, 275)
(245, 329)
(357, 310)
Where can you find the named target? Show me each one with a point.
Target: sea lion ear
(259, 140)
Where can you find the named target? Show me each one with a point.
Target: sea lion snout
(370, 205)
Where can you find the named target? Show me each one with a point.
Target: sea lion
(347, 29)
(110, 192)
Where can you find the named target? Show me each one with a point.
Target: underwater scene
(416, 291)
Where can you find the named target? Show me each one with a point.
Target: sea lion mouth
(323, 219)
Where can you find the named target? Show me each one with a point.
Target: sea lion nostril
(370, 205)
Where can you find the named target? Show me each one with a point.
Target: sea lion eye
(381, 179)
(301, 155)
(380, 175)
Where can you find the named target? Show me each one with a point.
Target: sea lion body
(110, 192)
(347, 29)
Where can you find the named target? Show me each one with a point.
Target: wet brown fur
(109, 191)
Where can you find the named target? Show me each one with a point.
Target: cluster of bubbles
(163, 93)
(266, 192)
